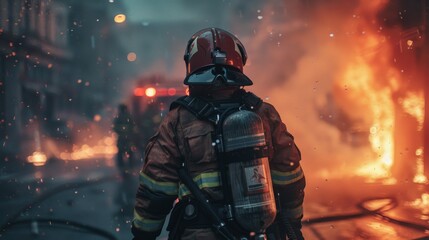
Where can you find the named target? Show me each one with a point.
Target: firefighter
(124, 127)
(188, 138)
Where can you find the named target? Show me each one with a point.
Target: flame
(37, 159)
(104, 148)
(359, 79)
(414, 104)
(421, 203)
(368, 83)
(420, 176)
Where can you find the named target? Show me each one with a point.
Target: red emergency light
(139, 92)
(150, 92)
(159, 92)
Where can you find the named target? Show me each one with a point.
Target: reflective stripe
(295, 212)
(145, 224)
(169, 188)
(284, 178)
(203, 180)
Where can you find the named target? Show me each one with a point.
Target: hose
(68, 223)
(13, 219)
(378, 212)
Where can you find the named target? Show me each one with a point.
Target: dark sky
(149, 10)
(179, 10)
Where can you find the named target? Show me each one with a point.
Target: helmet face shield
(210, 50)
(209, 75)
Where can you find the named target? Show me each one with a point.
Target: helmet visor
(207, 76)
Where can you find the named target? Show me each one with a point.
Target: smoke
(305, 57)
(298, 61)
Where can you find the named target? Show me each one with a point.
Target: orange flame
(38, 159)
(420, 176)
(378, 107)
(378, 112)
(104, 148)
(414, 104)
(369, 81)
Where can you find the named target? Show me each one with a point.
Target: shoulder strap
(210, 111)
(197, 106)
(251, 101)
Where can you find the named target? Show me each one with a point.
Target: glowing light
(150, 92)
(171, 91)
(414, 104)
(139, 92)
(359, 78)
(384, 229)
(37, 159)
(120, 18)
(104, 148)
(410, 43)
(421, 203)
(420, 176)
(132, 56)
(97, 118)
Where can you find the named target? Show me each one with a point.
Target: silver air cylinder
(248, 171)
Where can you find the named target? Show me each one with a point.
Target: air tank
(248, 171)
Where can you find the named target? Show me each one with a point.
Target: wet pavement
(91, 199)
(88, 199)
(355, 209)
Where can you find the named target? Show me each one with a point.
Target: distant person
(124, 127)
(224, 153)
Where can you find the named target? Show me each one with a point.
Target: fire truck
(150, 102)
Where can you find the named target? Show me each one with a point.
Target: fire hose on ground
(391, 203)
(13, 220)
(364, 212)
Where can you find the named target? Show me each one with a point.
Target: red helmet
(215, 55)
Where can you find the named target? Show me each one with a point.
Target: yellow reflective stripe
(145, 224)
(295, 212)
(169, 188)
(203, 180)
(284, 178)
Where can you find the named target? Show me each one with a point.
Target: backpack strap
(206, 110)
(251, 101)
(197, 106)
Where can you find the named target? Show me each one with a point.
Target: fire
(104, 148)
(37, 159)
(368, 84)
(377, 110)
(414, 104)
(420, 176)
(421, 203)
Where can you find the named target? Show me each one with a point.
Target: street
(91, 199)
(87, 199)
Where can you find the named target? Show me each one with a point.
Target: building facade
(56, 57)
